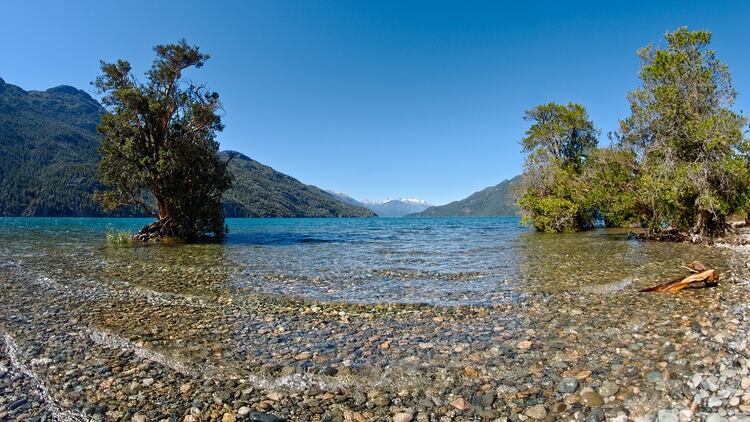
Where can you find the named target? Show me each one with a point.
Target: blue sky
(377, 98)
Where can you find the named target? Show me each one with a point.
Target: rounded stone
(596, 415)
(537, 412)
(567, 385)
(592, 399)
(666, 415)
(608, 389)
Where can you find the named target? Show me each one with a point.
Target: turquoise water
(443, 261)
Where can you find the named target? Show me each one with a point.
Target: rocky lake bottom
(354, 320)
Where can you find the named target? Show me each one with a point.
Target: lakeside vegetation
(678, 166)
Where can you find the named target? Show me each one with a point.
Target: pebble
(608, 389)
(403, 417)
(537, 412)
(567, 385)
(654, 376)
(666, 415)
(596, 415)
(715, 417)
(524, 344)
(460, 403)
(591, 399)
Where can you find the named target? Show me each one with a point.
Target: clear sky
(377, 98)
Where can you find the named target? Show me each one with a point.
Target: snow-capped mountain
(411, 201)
(387, 207)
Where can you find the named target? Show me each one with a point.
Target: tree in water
(558, 143)
(691, 155)
(159, 144)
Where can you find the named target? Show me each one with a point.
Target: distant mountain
(495, 200)
(48, 161)
(387, 207)
(260, 191)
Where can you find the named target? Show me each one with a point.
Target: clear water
(282, 300)
(441, 261)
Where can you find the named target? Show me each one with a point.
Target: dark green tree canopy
(560, 132)
(159, 143)
(558, 143)
(691, 153)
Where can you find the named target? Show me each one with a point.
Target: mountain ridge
(498, 200)
(49, 158)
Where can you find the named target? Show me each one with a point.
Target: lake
(328, 319)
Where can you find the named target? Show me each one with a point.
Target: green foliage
(159, 138)
(119, 237)
(608, 177)
(691, 155)
(681, 160)
(558, 144)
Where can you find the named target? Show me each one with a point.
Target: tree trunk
(166, 209)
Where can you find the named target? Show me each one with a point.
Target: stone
(686, 415)
(666, 415)
(583, 375)
(403, 417)
(715, 417)
(714, 402)
(537, 412)
(608, 389)
(263, 417)
(654, 376)
(460, 403)
(524, 344)
(471, 372)
(139, 418)
(185, 388)
(243, 411)
(592, 399)
(596, 415)
(303, 356)
(567, 385)
(228, 417)
(147, 382)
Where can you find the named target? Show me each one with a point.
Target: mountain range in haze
(387, 207)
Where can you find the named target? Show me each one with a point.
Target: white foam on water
(113, 341)
(292, 382)
(57, 413)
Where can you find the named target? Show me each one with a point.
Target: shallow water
(309, 306)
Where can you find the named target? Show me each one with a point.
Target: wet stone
(591, 399)
(666, 415)
(537, 412)
(567, 385)
(596, 415)
(608, 389)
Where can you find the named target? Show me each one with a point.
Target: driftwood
(701, 276)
